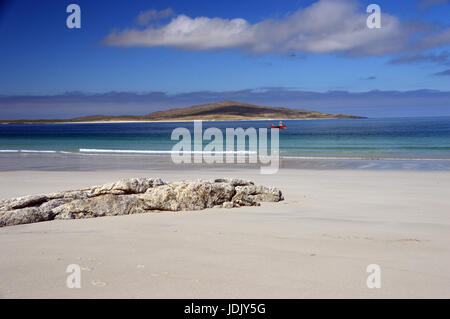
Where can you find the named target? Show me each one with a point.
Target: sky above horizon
(135, 57)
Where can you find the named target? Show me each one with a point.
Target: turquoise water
(392, 138)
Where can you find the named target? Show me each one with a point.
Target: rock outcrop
(135, 196)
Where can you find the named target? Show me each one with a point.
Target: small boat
(280, 126)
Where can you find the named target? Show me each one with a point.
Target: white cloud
(325, 26)
(186, 33)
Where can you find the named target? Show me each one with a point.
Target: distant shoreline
(188, 121)
(182, 121)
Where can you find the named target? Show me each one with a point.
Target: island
(219, 111)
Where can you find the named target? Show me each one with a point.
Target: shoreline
(5, 122)
(119, 152)
(185, 121)
(66, 161)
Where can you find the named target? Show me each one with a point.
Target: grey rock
(24, 216)
(234, 181)
(104, 205)
(188, 195)
(125, 186)
(22, 202)
(135, 196)
(51, 204)
(255, 193)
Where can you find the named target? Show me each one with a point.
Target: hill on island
(219, 111)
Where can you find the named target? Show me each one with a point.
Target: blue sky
(114, 51)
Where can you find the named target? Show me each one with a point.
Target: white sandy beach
(316, 243)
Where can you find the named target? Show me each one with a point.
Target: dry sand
(317, 243)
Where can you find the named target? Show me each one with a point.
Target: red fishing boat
(280, 126)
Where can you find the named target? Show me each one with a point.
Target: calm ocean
(392, 138)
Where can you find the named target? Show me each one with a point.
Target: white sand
(317, 243)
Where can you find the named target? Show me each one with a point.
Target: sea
(373, 143)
